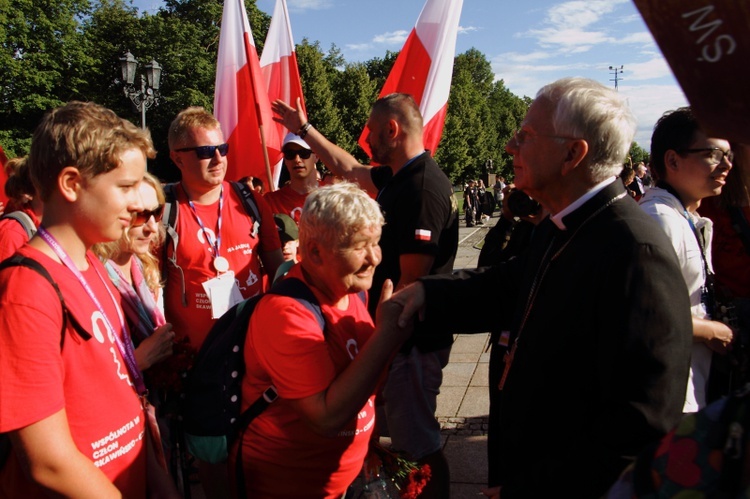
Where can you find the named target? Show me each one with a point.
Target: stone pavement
(463, 404)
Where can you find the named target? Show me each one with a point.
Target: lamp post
(148, 95)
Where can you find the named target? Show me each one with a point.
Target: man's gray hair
(334, 213)
(588, 110)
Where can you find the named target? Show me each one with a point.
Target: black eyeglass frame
(715, 159)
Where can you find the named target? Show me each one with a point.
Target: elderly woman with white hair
(312, 441)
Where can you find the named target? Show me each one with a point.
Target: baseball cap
(295, 139)
(287, 227)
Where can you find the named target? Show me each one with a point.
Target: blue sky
(529, 43)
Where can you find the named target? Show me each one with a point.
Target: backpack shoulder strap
(295, 288)
(169, 221)
(25, 220)
(22, 261)
(248, 202)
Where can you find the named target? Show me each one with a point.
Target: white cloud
(648, 103)
(463, 30)
(643, 37)
(391, 37)
(302, 5)
(648, 70)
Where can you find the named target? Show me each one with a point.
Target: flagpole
(266, 159)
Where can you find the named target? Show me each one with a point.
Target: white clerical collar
(558, 218)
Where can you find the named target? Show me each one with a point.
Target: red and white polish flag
(240, 98)
(424, 67)
(278, 63)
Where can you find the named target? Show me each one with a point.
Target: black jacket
(603, 357)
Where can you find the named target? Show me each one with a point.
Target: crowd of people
(607, 330)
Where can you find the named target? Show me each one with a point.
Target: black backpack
(211, 399)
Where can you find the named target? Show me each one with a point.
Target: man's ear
(670, 159)
(69, 183)
(577, 150)
(176, 159)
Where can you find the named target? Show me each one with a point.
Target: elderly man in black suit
(597, 311)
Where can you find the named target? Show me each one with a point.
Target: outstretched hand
(388, 314)
(292, 118)
(412, 298)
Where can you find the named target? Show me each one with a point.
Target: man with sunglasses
(299, 161)
(221, 246)
(691, 166)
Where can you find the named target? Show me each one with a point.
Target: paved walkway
(463, 403)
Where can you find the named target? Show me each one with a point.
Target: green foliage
(55, 51)
(638, 154)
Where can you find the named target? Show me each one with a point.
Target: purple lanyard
(217, 239)
(125, 347)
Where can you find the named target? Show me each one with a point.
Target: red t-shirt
(13, 235)
(88, 379)
(287, 201)
(283, 457)
(195, 257)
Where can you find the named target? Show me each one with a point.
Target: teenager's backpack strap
(248, 202)
(22, 261)
(25, 220)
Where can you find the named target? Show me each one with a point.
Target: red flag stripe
(424, 67)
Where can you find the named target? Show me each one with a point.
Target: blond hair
(187, 119)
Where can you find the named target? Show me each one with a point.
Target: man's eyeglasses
(293, 153)
(520, 136)
(142, 217)
(206, 152)
(716, 154)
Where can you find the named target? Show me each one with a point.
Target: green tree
(354, 93)
(319, 100)
(637, 154)
(44, 62)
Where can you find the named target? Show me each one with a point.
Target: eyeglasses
(142, 217)
(206, 152)
(716, 154)
(520, 136)
(293, 153)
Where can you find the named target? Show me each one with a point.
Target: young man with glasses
(299, 161)
(221, 246)
(691, 166)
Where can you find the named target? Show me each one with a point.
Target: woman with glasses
(135, 272)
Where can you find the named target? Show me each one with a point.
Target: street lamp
(148, 95)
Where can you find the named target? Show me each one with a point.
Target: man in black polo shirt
(420, 237)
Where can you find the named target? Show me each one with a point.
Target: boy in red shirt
(70, 405)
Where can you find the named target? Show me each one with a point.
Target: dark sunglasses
(142, 217)
(206, 152)
(302, 153)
